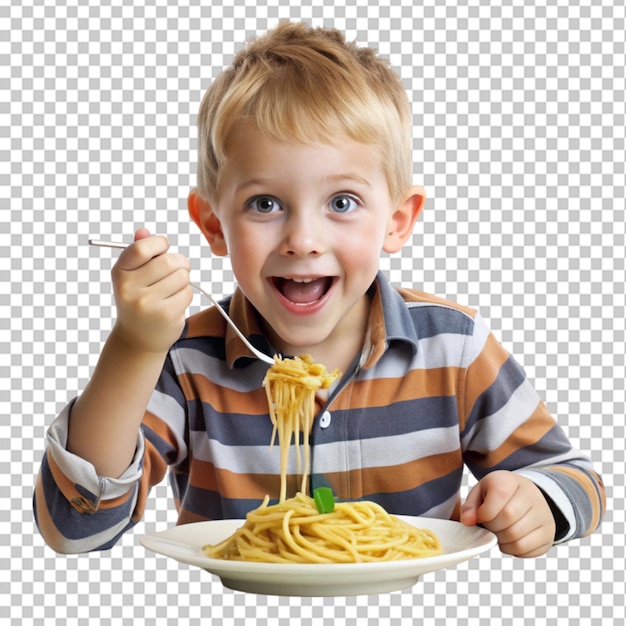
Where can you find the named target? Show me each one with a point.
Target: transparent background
(519, 140)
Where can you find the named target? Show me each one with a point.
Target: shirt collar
(389, 322)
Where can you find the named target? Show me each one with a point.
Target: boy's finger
(497, 500)
(163, 266)
(141, 251)
(469, 510)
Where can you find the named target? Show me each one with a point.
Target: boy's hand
(152, 293)
(514, 509)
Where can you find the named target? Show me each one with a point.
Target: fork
(261, 355)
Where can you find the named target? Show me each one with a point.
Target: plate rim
(237, 574)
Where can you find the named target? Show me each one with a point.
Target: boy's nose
(303, 237)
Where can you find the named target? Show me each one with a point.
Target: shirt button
(325, 420)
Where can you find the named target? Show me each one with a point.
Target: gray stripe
(577, 496)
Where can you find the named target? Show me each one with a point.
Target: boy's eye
(264, 204)
(343, 204)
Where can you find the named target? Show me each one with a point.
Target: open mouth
(303, 291)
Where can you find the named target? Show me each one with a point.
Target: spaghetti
(295, 532)
(290, 385)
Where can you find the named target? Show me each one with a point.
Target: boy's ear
(202, 214)
(403, 219)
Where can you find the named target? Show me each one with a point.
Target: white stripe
(479, 339)
(399, 449)
(167, 409)
(491, 432)
(197, 363)
(331, 457)
(443, 350)
(237, 459)
(572, 456)
(82, 472)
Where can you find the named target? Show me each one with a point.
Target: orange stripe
(413, 295)
(224, 399)
(482, 373)
(416, 384)
(160, 428)
(187, 517)
(154, 468)
(68, 489)
(456, 514)
(66, 486)
(389, 479)
(206, 323)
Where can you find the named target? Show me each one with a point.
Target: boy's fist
(515, 510)
(152, 293)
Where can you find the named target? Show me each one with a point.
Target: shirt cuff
(557, 500)
(80, 472)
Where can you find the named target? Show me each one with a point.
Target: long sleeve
(77, 510)
(506, 426)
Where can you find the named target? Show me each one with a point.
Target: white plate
(184, 544)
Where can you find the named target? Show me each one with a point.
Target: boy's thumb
(142, 233)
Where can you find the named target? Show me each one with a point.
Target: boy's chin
(295, 342)
(296, 346)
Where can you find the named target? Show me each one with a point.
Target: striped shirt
(431, 392)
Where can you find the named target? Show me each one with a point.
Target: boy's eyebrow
(251, 182)
(338, 178)
(335, 178)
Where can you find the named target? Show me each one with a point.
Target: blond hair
(304, 84)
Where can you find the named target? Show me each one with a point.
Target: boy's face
(304, 225)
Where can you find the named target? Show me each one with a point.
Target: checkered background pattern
(519, 140)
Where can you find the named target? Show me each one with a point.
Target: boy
(304, 177)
